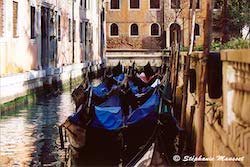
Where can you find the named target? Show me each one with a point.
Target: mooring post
(61, 137)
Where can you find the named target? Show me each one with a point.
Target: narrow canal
(29, 134)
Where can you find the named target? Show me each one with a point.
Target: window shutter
(15, 17)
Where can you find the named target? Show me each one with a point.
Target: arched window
(197, 30)
(154, 4)
(114, 30)
(134, 30)
(115, 4)
(175, 34)
(155, 30)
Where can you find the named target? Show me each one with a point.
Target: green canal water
(29, 135)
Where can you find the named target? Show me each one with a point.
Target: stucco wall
(22, 54)
(226, 129)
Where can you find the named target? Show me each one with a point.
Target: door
(44, 38)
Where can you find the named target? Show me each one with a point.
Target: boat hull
(76, 134)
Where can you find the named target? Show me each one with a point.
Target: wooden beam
(202, 83)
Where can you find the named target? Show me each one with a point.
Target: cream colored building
(40, 38)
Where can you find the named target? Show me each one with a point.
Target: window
(134, 4)
(155, 30)
(74, 30)
(32, 22)
(1, 18)
(154, 4)
(80, 2)
(197, 4)
(85, 4)
(134, 30)
(15, 17)
(197, 30)
(115, 4)
(69, 30)
(81, 32)
(175, 4)
(59, 28)
(114, 30)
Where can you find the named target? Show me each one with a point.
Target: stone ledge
(239, 55)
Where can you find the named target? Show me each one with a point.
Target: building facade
(134, 24)
(154, 24)
(37, 35)
(42, 40)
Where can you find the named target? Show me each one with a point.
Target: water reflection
(29, 135)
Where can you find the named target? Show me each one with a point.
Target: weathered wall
(227, 128)
(22, 53)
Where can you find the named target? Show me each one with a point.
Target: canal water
(29, 134)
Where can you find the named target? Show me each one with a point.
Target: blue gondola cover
(119, 78)
(148, 107)
(101, 90)
(109, 118)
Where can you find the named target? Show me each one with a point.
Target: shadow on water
(29, 135)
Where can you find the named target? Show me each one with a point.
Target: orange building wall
(124, 17)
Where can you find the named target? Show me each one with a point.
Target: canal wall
(22, 88)
(226, 119)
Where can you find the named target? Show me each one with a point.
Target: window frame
(115, 9)
(130, 30)
(129, 5)
(16, 35)
(59, 27)
(154, 8)
(110, 34)
(150, 30)
(198, 30)
(69, 29)
(32, 24)
(81, 32)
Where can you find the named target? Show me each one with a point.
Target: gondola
(105, 128)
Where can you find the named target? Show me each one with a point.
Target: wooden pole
(202, 82)
(186, 77)
(225, 35)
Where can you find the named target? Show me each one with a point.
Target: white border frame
(113, 36)
(155, 9)
(159, 30)
(133, 36)
(134, 9)
(114, 9)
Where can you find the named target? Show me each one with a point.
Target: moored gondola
(121, 123)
